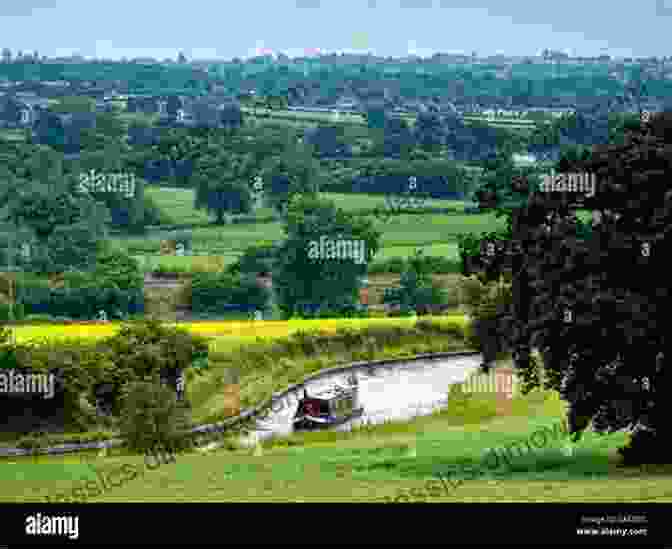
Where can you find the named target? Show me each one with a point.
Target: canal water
(398, 392)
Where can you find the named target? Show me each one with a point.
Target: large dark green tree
(292, 172)
(600, 328)
(67, 225)
(222, 183)
(330, 284)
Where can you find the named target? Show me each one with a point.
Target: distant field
(316, 116)
(179, 203)
(12, 134)
(435, 234)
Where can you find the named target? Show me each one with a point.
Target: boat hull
(311, 423)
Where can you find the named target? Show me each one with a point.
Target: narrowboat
(329, 408)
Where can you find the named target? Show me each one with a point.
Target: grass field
(436, 234)
(374, 464)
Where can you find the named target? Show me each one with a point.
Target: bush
(153, 214)
(7, 313)
(489, 305)
(116, 269)
(82, 303)
(223, 292)
(151, 417)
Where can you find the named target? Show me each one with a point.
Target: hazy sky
(226, 29)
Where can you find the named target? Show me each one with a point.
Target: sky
(223, 29)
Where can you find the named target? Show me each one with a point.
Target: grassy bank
(372, 464)
(266, 356)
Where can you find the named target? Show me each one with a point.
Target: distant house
(210, 113)
(17, 112)
(10, 112)
(143, 104)
(347, 102)
(143, 135)
(63, 129)
(55, 83)
(202, 112)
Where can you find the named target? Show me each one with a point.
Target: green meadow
(435, 234)
(371, 464)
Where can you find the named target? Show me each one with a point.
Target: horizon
(297, 28)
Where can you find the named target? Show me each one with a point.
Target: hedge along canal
(282, 401)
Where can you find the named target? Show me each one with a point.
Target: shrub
(116, 269)
(153, 214)
(223, 292)
(39, 319)
(82, 303)
(151, 416)
(17, 313)
(147, 346)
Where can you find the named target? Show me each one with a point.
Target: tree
(66, 224)
(255, 259)
(173, 104)
(429, 132)
(600, 330)
(222, 184)
(181, 58)
(327, 141)
(416, 291)
(398, 140)
(231, 117)
(294, 172)
(151, 418)
(6, 55)
(376, 116)
(301, 280)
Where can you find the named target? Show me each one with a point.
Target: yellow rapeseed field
(224, 332)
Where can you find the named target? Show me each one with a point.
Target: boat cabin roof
(331, 393)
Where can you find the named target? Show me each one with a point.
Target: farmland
(436, 234)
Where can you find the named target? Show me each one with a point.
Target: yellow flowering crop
(241, 331)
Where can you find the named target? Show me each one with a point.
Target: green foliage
(83, 303)
(327, 283)
(140, 349)
(293, 172)
(153, 214)
(416, 291)
(255, 259)
(221, 184)
(116, 269)
(576, 303)
(144, 347)
(222, 292)
(151, 417)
